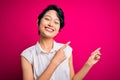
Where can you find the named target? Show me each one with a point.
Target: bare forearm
(93, 59)
(58, 58)
(46, 75)
(82, 73)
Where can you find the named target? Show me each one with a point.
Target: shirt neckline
(40, 50)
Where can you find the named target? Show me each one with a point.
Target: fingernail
(68, 42)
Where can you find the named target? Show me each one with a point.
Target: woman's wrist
(88, 63)
(54, 62)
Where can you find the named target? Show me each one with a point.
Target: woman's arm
(46, 75)
(94, 58)
(72, 73)
(82, 73)
(26, 69)
(28, 72)
(57, 59)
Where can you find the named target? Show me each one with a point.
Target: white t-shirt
(40, 59)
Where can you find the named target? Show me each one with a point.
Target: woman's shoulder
(28, 53)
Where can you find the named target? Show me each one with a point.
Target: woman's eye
(56, 22)
(47, 19)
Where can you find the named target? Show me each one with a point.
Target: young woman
(48, 59)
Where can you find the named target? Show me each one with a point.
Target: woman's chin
(48, 35)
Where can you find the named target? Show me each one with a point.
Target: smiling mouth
(49, 29)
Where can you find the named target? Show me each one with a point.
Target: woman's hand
(60, 54)
(94, 57)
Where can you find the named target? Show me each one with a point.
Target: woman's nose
(51, 23)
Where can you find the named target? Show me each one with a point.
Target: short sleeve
(68, 51)
(27, 54)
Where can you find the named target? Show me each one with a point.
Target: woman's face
(49, 24)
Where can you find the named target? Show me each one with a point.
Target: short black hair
(59, 11)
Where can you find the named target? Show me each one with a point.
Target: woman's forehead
(52, 14)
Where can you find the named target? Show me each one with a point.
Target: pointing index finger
(97, 49)
(65, 45)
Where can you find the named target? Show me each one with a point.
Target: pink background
(88, 25)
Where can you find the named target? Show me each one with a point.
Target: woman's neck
(46, 44)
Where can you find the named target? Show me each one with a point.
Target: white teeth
(49, 29)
